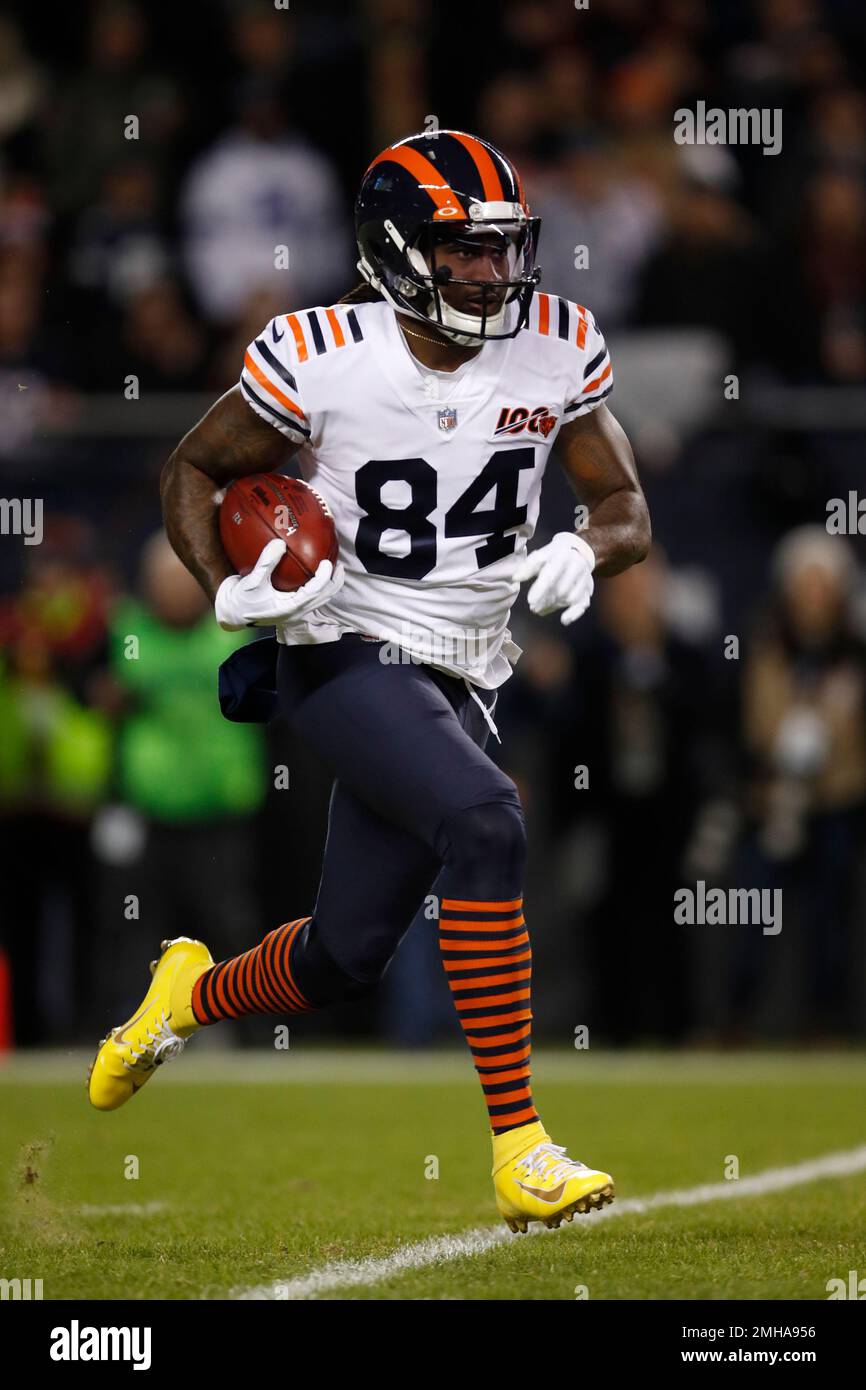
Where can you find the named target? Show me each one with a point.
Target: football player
(424, 410)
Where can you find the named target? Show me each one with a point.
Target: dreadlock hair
(361, 294)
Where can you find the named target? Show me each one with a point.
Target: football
(256, 509)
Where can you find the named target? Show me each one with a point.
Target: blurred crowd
(154, 160)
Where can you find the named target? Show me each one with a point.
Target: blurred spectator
(23, 86)
(119, 246)
(164, 344)
(834, 271)
(63, 602)
(155, 256)
(707, 270)
(510, 114)
(87, 128)
(260, 306)
(649, 738)
(592, 203)
(51, 785)
(804, 729)
(837, 136)
(821, 271)
(264, 40)
(188, 781)
(647, 85)
(261, 187)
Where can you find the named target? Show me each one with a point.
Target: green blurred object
(179, 760)
(14, 749)
(54, 751)
(78, 756)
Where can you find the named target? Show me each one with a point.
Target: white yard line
(121, 1208)
(438, 1250)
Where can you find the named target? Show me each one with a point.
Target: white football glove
(250, 600)
(562, 571)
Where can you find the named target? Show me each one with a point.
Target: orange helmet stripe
(428, 176)
(520, 193)
(490, 180)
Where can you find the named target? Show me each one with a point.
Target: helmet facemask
(420, 288)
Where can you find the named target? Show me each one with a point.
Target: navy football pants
(416, 802)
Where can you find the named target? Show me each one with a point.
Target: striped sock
(258, 982)
(488, 961)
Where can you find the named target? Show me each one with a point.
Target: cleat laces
(551, 1162)
(159, 1045)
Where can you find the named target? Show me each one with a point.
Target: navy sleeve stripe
(283, 419)
(596, 362)
(563, 319)
(275, 364)
(352, 320)
(590, 400)
(318, 336)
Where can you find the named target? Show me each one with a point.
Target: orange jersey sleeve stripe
(544, 313)
(582, 325)
(490, 180)
(603, 376)
(298, 334)
(255, 370)
(335, 328)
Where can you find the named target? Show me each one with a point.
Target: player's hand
(250, 600)
(562, 571)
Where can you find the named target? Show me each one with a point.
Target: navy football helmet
(437, 187)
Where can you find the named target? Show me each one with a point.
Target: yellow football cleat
(158, 1030)
(535, 1180)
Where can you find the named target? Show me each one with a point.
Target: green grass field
(260, 1168)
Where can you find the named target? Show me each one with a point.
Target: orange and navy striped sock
(488, 961)
(261, 981)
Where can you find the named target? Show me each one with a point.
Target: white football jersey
(433, 478)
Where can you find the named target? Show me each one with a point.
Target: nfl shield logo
(447, 418)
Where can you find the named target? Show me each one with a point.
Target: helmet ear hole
(406, 287)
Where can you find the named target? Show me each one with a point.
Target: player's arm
(599, 464)
(600, 467)
(228, 442)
